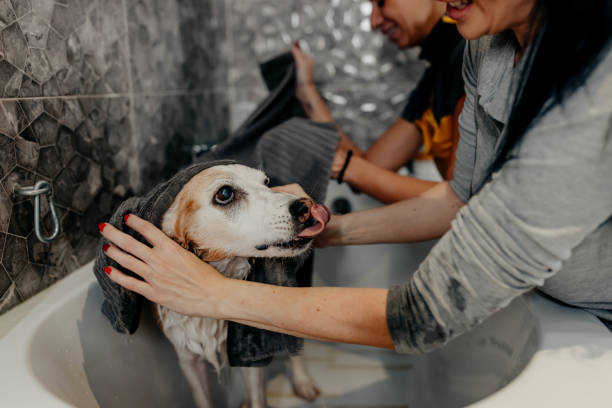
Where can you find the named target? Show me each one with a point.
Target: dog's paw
(306, 389)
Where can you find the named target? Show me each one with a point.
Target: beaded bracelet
(340, 177)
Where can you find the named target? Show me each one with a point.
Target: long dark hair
(566, 47)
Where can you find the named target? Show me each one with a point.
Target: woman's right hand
(171, 275)
(338, 160)
(304, 67)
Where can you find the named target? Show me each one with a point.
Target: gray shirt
(543, 220)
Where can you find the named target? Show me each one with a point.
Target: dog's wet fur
(227, 215)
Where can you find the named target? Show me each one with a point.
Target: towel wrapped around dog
(296, 151)
(121, 306)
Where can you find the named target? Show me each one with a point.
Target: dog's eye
(225, 195)
(267, 181)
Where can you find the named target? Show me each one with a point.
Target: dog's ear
(211, 255)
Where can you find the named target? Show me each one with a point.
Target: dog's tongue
(322, 215)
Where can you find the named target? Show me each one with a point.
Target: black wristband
(340, 177)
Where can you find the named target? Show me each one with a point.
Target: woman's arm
(384, 185)
(421, 218)
(312, 103)
(394, 148)
(179, 280)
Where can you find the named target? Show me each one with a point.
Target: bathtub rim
(559, 372)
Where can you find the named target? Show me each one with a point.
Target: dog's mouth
(319, 217)
(314, 225)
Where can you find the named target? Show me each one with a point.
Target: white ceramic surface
(59, 351)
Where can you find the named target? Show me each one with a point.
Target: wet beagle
(227, 215)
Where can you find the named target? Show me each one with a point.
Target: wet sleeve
(517, 231)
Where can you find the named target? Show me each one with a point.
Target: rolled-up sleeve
(518, 230)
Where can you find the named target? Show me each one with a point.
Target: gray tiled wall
(103, 98)
(100, 98)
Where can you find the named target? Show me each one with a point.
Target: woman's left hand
(172, 276)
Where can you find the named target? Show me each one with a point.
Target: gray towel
(296, 151)
(122, 307)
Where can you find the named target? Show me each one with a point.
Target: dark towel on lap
(289, 151)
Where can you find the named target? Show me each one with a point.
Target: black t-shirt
(441, 86)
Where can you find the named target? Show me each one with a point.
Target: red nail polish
(105, 247)
(297, 44)
(107, 269)
(125, 217)
(101, 226)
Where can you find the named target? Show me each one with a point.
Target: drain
(341, 206)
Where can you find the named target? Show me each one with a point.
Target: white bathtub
(59, 351)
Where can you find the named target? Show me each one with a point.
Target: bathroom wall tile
(45, 129)
(22, 218)
(10, 80)
(175, 45)
(80, 46)
(49, 162)
(15, 255)
(14, 45)
(9, 296)
(30, 280)
(167, 127)
(8, 154)
(337, 35)
(5, 280)
(7, 14)
(18, 177)
(35, 29)
(21, 7)
(6, 207)
(66, 16)
(365, 114)
(12, 118)
(43, 9)
(97, 56)
(32, 108)
(38, 66)
(27, 153)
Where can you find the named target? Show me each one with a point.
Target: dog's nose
(300, 210)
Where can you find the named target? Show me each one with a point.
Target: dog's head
(228, 211)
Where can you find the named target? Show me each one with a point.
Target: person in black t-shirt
(427, 127)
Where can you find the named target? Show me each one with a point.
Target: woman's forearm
(347, 315)
(385, 185)
(317, 110)
(424, 217)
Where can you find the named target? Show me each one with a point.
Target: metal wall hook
(40, 188)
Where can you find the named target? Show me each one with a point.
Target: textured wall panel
(103, 99)
(351, 60)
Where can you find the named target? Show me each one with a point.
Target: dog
(228, 215)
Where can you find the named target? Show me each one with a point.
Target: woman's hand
(304, 67)
(173, 276)
(338, 161)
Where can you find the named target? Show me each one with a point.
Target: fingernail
(105, 247)
(297, 44)
(107, 269)
(101, 226)
(125, 217)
